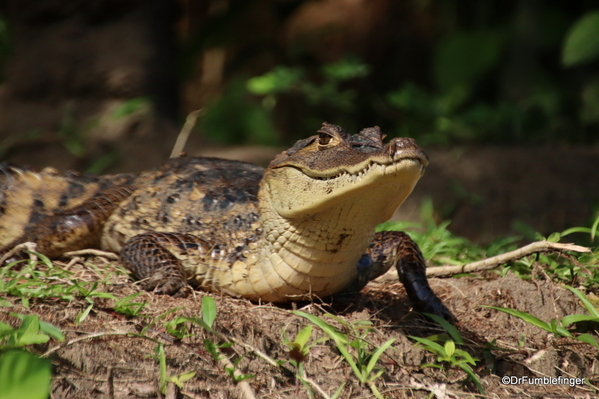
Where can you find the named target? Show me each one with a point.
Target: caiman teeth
(356, 176)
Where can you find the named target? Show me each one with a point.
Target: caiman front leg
(397, 248)
(160, 260)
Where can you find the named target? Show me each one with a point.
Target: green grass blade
(375, 356)
(587, 304)
(163, 375)
(589, 339)
(363, 378)
(433, 346)
(594, 229)
(330, 330)
(338, 391)
(575, 318)
(468, 370)
(524, 316)
(447, 326)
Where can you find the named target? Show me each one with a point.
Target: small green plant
(129, 308)
(31, 331)
(559, 327)
(299, 350)
(88, 290)
(81, 316)
(178, 380)
(206, 322)
(447, 354)
(360, 358)
(24, 374)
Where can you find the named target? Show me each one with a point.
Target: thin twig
(95, 252)
(90, 336)
(314, 385)
(190, 122)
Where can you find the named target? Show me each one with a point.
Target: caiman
(304, 227)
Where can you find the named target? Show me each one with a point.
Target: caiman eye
(324, 139)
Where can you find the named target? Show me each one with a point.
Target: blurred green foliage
(582, 43)
(522, 75)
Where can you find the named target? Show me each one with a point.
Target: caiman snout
(405, 147)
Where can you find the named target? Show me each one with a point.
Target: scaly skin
(302, 228)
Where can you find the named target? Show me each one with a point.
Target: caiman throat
(302, 228)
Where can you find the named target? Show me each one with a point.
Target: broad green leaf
(208, 310)
(582, 41)
(449, 348)
(303, 336)
(29, 332)
(199, 322)
(279, 79)
(81, 316)
(570, 231)
(24, 375)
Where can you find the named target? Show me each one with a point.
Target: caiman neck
(314, 255)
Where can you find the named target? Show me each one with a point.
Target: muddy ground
(102, 357)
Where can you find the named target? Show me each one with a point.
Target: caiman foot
(397, 248)
(150, 257)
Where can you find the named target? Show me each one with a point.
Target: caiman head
(334, 170)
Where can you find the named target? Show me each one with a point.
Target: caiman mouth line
(359, 174)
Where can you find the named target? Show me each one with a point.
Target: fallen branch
(494, 261)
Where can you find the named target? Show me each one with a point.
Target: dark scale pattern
(214, 199)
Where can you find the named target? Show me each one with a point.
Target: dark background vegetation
(105, 85)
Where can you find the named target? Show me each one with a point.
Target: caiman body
(304, 227)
